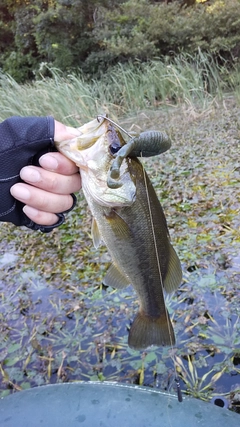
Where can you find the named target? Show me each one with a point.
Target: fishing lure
(147, 144)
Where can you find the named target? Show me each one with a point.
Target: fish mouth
(91, 132)
(79, 149)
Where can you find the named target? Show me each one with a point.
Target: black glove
(23, 140)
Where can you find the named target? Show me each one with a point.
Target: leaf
(161, 368)
(14, 347)
(25, 385)
(150, 357)
(4, 393)
(204, 377)
(217, 376)
(11, 361)
(141, 375)
(180, 363)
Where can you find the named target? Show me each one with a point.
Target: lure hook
(114, 123)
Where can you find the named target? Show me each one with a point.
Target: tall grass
(123, 90)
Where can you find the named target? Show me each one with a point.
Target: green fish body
(130, 221)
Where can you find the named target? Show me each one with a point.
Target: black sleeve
(22, 141)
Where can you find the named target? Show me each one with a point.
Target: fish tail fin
(146, 331)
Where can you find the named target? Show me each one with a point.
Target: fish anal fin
(146, 331)
(173, 277)
(115, 278)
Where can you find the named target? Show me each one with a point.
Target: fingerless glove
(22, 141)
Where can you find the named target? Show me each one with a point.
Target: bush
(75, 35)
(138, 30)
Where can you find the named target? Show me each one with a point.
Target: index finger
(57, 162)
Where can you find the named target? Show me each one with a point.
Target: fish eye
(114, 147)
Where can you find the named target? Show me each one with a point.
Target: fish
(128, 218)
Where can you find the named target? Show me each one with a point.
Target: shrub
(138, 30)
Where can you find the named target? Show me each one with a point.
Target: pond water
(55, 334)
(58, 324)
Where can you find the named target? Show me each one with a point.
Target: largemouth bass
(129, 220)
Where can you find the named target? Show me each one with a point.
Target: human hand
(46, 190)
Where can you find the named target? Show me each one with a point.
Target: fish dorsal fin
(115, 278)
(173, 277)
(96, 236)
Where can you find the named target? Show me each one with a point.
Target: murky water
(63, 333)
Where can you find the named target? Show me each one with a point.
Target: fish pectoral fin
(115, 278)
(96, 236)
(146, 331)
(118, 225)
(173, 277)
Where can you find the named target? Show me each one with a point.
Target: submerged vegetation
(57, 322)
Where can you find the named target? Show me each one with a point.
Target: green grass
(193, 81)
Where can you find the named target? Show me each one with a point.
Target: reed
(123, 90)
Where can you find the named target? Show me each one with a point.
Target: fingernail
(30, 174)
(20, 192)
(29, 211)
(48, 162)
